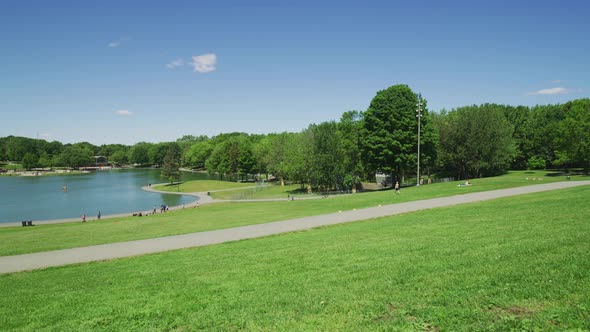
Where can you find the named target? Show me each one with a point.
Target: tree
(75, 156)
(44, 160)
(198, 153)
(545, 123)
(574, 133)
(30, 160)
(327, 167)
(138, 154)
(171, 163)
(350, 127)
(271, 154)
(119, 157)
(157, 153)
(476, 141)
(232, 156)
(390, 132)
(520, 118)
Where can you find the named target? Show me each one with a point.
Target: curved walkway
(10, 264)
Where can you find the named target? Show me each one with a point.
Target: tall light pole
(418, 115)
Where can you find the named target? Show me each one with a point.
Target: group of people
(98, 215)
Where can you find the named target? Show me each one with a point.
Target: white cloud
(204, 63)
(556, 81)
(550, 91)
(114, 44)
(175, 63)
(124, 112)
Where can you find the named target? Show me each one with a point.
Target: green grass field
(509, 180)
(202, 186)
(19, 240)
(261, 192)
(518, 264)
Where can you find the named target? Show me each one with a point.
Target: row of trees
(466, 142)
(484, 140)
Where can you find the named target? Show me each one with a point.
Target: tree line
(466, 142)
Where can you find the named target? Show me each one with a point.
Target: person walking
(397, 187)
(98, 215)
(83, 217)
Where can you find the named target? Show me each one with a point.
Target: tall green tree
(327, 166)
(350, 128)
(30, 160)
(574, 133)
(520, 118)
(198, 153)
(545, 123)
(75, 156)
(157, 153)
(171, 163)
(232, 157)
(476, 141)
(138, 154)
(272, 152)
(390, 132)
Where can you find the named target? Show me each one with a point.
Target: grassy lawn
(509, 180)
(267, 191)
(508, 264)
(202, 186)
(19, 240)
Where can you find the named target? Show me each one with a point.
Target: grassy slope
(268, 191)
(18, 240)
(202, 186)
(512, 179)
(505, 264)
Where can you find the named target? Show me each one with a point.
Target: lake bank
(113, 193)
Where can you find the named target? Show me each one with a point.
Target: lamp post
(418, 115)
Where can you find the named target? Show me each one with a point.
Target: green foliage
(520, 118)
(545, 122)
(232, 156)
(198, 153)
(475, 141)
(383, 138)
(171, 163)
(75, 156)
(119, 157)
(139, 153)
(30, 161)
(536, 162)
(327, 154)
(574, 133)
(350, 128)
(390, 133)
(157, 153)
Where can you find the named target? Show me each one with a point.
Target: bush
(536, 162)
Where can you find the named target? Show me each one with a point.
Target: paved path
(9, 264)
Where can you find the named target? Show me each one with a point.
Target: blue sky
(130, 71)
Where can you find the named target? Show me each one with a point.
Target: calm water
(110, 192)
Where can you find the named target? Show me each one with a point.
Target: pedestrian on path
(98, 215)
(83, 217)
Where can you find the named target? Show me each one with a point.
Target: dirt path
(10, 264)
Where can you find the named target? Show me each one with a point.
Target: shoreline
(199, 199)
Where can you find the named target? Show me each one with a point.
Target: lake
(110, 192)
